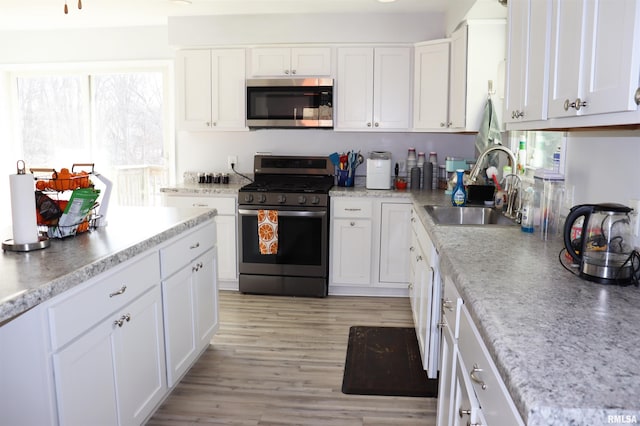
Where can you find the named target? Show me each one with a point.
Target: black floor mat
(385, 361)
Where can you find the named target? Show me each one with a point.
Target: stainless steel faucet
(475, 171)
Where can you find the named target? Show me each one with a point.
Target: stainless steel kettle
(604, 249)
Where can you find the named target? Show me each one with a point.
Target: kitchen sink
(470, 215)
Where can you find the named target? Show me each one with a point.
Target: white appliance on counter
(379, 170)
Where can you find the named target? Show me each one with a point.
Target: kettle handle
(576, 212)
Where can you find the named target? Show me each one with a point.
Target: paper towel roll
(23, 209)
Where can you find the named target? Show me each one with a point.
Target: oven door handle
(287, 213)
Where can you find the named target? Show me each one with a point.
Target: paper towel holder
(43, 241)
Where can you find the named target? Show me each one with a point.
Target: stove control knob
(248, 198)
(302, 199)
(315, 199)
(262, 198)
(282, 199)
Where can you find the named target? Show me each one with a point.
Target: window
(540, 148)
(114, 118)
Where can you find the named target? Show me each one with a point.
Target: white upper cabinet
(431, 91)
(458, 73)
(210, 89)
(373, 88)
(595, 57)
(528, 40)
(452, 76)
(290, 61)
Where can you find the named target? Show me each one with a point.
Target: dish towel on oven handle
(268, 231)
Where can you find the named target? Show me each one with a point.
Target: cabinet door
(527, 62)
(139, 358)
(395, 238)
(414, 280)
(226, 239)
(458, 82)
(465, 404)
(193, 92)
(270, 61)
(206, 298)
(313, 61)
(431, 102)
(392, 88)
(179, 323)
(351, 254)
(447, 373)
(354, 87)
(612, 59)
(85, 385)
(568, 25)
(227, 89)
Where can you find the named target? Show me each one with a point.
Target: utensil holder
(344, 179)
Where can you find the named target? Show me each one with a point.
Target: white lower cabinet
(226, 232)
(424, 290)
(369, 239)
(189, 299)
(113, 373)
(470, 388)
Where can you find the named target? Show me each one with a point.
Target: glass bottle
(459, 194)
(522, 157)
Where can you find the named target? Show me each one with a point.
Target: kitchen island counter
(29, 279)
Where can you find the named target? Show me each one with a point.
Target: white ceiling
(49, 14)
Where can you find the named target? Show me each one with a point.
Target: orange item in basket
(268, 231)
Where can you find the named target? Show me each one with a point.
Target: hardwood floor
(280, 361)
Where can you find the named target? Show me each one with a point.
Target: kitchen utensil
(335, 159)
(604, 250)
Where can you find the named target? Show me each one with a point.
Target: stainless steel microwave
(290, 103)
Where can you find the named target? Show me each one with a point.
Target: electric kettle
(604, 250)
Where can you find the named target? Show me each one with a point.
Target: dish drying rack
(59, 187)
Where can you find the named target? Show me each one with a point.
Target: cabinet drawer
(352, 207)
(224, 205)
(495, 401)
(80, 311)
(451, 304)
(187, 248)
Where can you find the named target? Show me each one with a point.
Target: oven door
(302, 243)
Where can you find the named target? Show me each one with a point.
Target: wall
(602, 166)
(319, 28)
(207, 152)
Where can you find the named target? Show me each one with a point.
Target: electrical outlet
(232, 159)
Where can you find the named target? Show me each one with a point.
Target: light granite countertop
(566, 348)
(203, 189)
(31, 278)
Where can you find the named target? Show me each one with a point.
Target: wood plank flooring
(280, 361)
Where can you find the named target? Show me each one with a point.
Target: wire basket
(55, 191)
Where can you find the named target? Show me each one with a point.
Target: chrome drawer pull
(442, 324)
(195, 246)
(479, 381)
(119, 292)
(463, 413)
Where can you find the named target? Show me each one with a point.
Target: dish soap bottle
(459, 194)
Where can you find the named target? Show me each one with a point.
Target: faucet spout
(475, 171)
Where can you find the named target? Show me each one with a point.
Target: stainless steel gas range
(294, 193)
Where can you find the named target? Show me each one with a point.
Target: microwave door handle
(295, 113)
